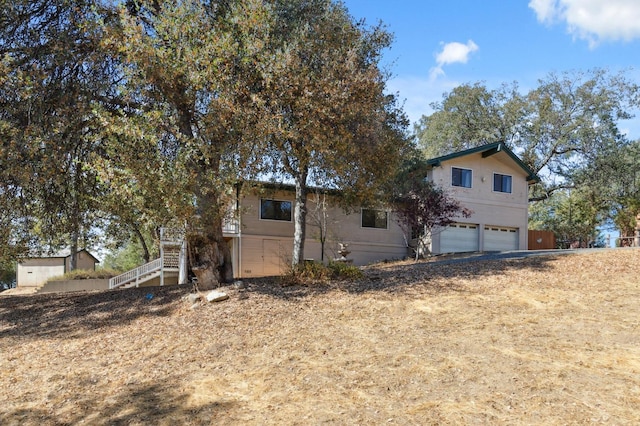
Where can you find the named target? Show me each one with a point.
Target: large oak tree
(329, 119)
(52, 74)
(186, 135)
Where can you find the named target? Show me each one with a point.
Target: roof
(61, 254)
(487, 151)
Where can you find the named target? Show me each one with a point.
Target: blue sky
(442, 44)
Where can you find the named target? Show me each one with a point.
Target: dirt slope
(545, 340)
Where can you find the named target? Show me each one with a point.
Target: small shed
(35, 271)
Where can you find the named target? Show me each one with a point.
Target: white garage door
(459, 237)
(499, 238)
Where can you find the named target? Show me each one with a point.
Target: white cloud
(592, 20)
(452, 53)
(546, 10)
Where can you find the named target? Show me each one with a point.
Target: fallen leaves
(543, 340)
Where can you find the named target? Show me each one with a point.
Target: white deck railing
(231, 226)
(169, 238)
(135, 274)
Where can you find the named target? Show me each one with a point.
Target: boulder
(216, 296)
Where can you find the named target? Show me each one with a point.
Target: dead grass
(545, 340)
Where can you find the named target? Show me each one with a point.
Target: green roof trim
(487, 151)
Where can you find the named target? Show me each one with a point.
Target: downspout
(239, 213)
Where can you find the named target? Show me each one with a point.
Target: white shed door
(459, 237)
(499, 238)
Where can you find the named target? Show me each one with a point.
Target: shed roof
(61, 254)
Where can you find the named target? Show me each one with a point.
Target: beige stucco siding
(488, 206)
(35, 272)
(85, 262)
(267, 245)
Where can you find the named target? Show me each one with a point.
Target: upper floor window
(374, 219)
(461, 177)
(501, 183)
(275, 210)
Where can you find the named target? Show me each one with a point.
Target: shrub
(82, 274)
(345, 271)
(310, 272)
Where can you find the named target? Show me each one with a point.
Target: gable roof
(61, 254)
(487, 151)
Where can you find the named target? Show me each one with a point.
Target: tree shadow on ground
(399, 277)
(150, 403)
(69, 315)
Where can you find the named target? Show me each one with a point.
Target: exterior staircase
(172, 263)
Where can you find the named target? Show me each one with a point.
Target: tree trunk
(209, 253)
(210, 259)
(75, 223)
(73, 261)
(145, 250)
(300, 219)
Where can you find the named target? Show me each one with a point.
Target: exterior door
(273, 257)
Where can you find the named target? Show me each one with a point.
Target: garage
(500, 238)
(459, 237)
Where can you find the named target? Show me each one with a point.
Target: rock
(216, 296)
(193, 297)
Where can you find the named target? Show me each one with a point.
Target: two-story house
(494, 183)
(489, 180)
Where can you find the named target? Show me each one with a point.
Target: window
(461, 177)
(275, 210)
(374, 219)
(501, 183)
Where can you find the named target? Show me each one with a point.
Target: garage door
(499, 238)
(459, 237)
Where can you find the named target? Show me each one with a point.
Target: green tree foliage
(572, 215)
(329, 121)
(126, 257)
(187, 131)
(52, 74)
(469, 116)
(7, 274)
(572, 118)
(563, 130)
(613, 180)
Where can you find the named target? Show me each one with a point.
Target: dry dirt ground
(544, 340)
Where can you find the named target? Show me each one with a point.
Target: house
(494, 183)
(263, 243)
(489, 180)
(260, 237)
(35, 271)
